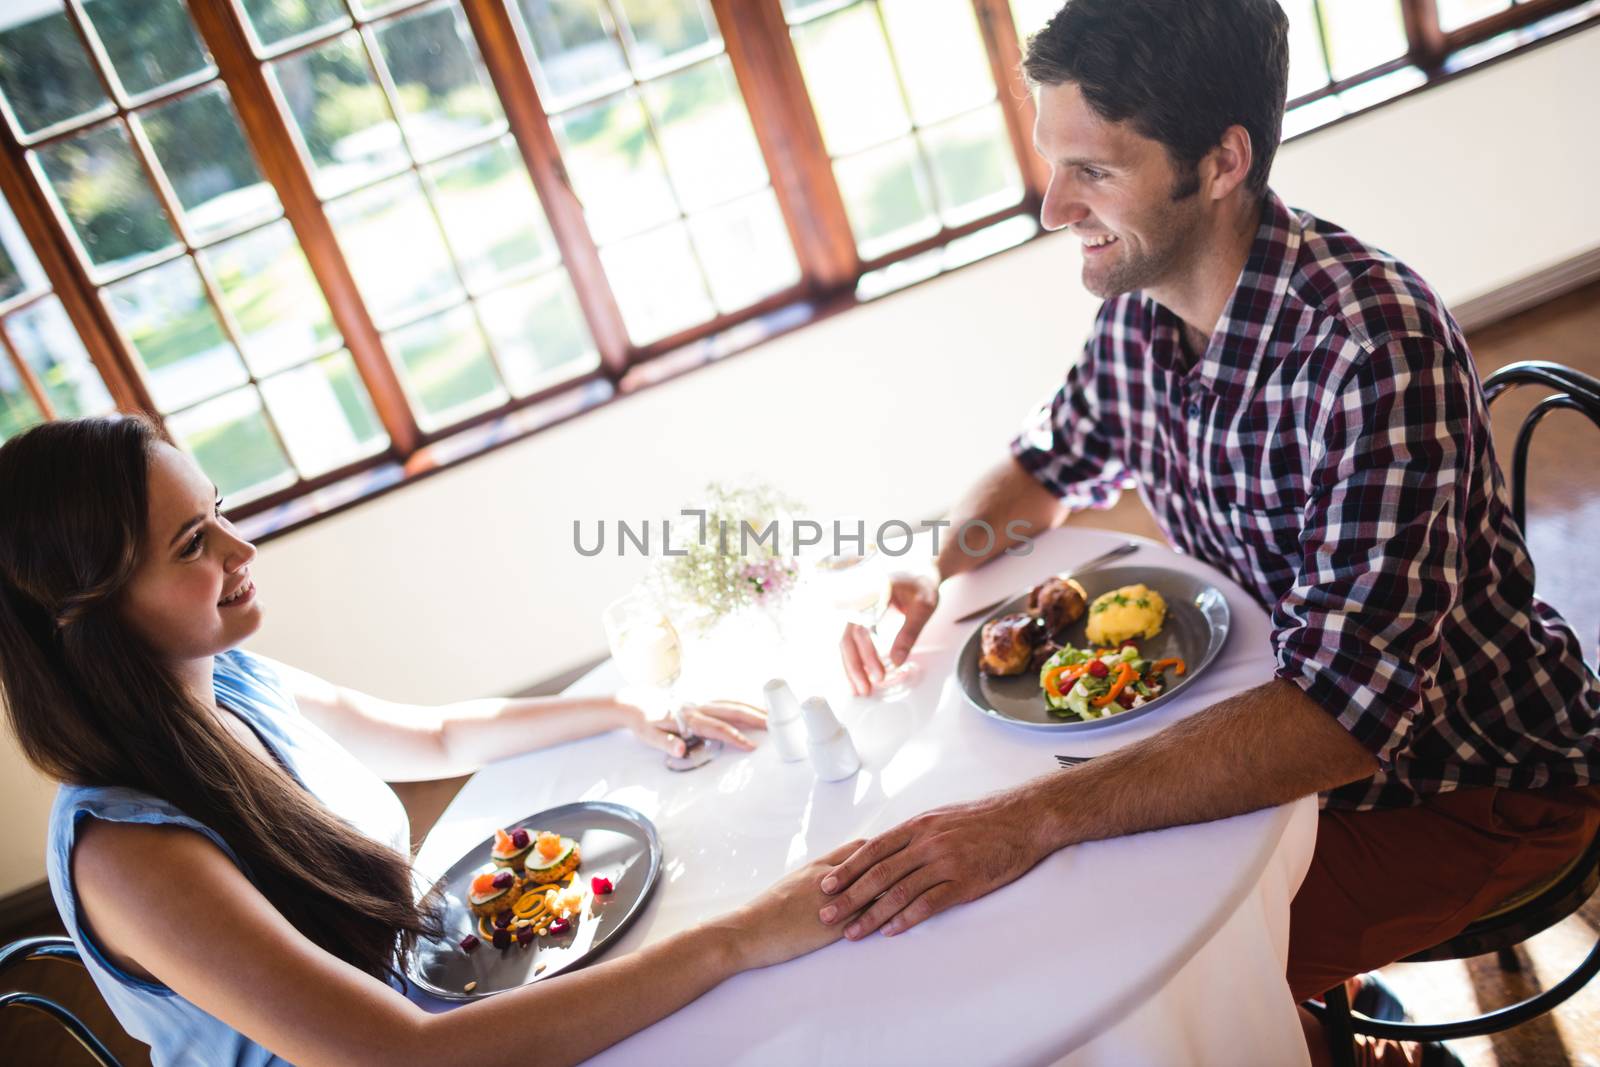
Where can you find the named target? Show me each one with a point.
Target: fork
(1072, 761)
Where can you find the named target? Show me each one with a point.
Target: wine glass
(858, 587)
(645, 646)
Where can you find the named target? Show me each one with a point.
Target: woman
(235, 879)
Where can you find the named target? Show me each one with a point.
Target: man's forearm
(1266, 746)
(1004, 496)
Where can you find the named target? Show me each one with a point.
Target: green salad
(1074, 678)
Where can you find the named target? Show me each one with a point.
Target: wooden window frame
(761, 53)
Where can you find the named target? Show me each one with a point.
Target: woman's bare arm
(411, 742)
(167, 903)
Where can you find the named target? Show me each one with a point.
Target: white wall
(467, 583)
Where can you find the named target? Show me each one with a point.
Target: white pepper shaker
(833, 754)
(784, 721)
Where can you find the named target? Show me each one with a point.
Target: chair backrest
(51, 948)
(1574, 390)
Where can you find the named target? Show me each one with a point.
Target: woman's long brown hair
(90, 703)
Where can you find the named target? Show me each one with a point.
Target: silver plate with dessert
(1089, 651)
(543, 895)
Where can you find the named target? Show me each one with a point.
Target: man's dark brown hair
(1180, 71)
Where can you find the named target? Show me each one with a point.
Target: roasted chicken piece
(1009, 644)
(1059, 602)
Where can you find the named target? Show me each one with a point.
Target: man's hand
(913, 596)
(945, 857)
(1268, 745)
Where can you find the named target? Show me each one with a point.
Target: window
(650, 123)
(333, 243)
(45, 371)
(136, 145)
(400, 127)
(908, 109)
(1348, 55)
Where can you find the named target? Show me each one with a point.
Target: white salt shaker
(833, 754)
(784, 722)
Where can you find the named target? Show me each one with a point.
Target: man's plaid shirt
(1330, 450)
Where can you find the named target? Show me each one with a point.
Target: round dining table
(1158, 948)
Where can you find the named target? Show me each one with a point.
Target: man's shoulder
(1350, 289)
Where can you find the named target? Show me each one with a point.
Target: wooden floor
(1564, 521)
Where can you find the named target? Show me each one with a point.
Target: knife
(1116, 553)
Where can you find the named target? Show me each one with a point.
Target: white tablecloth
(1162, 948)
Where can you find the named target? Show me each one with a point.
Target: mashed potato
(1126, 613)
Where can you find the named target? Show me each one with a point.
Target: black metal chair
(51, 948)
(1540, 907)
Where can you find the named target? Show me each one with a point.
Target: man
(1299, 410)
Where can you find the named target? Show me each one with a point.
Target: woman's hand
(914, 595)
(782, 922)
(719, 720)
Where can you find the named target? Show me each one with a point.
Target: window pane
(615, 168)
(277, 20)
(394, 283)
(538, 331)
(267, 287)
(151, 43)
(939, 51)
(341, 114)
(491, 214)
(662, 29)
(575, 55)
(745, 250)
(1362, 33)
(446, 99)
(104, 192)
(657, 283)
(323, 412)
(20, 272)
(165, 315)
(850, 79)
(974, 167)
(1307, 71)
(43, 336)
(1454, 14)
(197, 140)
(1031, 16)
(886, 195)
(446, 367)
(230, 439)
(45, 74)
(797, 10)
(17, 409)
(711, 151)
(11, 283)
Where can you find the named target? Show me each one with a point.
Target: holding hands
(929, 863)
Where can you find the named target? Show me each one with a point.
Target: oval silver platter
(615, 842)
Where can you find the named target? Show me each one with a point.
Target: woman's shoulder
(108, 803)
(257, 675)
(110, 846)
(78, 808)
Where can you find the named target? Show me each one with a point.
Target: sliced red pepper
(1055, 675)
(1124, 676)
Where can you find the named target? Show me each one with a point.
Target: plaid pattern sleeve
(1359, 629)
(1069, 442)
